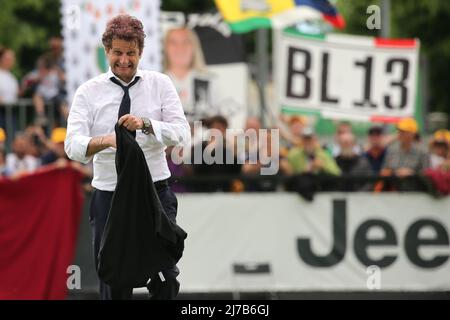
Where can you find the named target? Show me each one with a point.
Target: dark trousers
(160, 288)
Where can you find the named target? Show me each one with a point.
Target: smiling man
(145, 103)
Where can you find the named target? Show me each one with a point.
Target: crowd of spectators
(391, 153)
(44, 86)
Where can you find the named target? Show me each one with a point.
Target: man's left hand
(131, 123)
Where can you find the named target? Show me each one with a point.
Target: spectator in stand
(254, 169)
(376, 151)
(348, 160)
(19, 161)
(351, 164)
(44, 86)
(306, 163)
(218, 148)
(296, 126)
(405, 157)
(38, 141)
(55, 147)
(439, 172)
(309, 158)
(9, 86)
(56, 55)
(439, 148)
(342, 128)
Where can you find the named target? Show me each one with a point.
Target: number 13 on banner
(347, 74)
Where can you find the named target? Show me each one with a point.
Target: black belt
(161, 185)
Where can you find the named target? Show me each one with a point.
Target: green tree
(26, 26)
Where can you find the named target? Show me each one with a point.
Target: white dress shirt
(94, 113)
(9, 87)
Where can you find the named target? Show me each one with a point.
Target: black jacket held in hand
(139, 239)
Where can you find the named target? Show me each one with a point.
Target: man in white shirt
(156, 115)
(9, 87)
(19, 161)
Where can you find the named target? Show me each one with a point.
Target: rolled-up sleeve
(173, 129)
(79, 125)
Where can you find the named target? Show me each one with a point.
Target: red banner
(39, 220)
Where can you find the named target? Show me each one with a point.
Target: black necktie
(125, 104)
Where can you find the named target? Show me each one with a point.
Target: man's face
(405, 137)
(376, 140)
(8, 60)
(309, 143)
(297, 129)
(123, 58)
(55, 45)
(20, 146)
(219, 126)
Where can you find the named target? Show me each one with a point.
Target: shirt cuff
(156, 126)
(80, 148)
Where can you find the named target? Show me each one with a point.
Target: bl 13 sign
(356, 77)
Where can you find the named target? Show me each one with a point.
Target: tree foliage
(26, 26)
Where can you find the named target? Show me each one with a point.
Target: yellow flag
(239, 10)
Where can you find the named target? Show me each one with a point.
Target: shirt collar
(110, 75)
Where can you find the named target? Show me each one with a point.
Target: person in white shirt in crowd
(20, 161)
(156, 115)
(343, 128)
(9, 86)
(43, 86)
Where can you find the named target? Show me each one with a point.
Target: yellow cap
(299, 119)
(442, 135)
(2, 135)
(58, 135)
(408, 125)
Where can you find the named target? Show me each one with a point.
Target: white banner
(339, 242)
(84, 22)
(342, 75)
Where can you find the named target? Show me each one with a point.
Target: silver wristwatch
(147, 126)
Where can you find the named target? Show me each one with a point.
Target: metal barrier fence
(309, 182)
(16, 117)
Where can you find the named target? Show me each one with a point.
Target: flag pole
(385, 18)
(262, 63)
